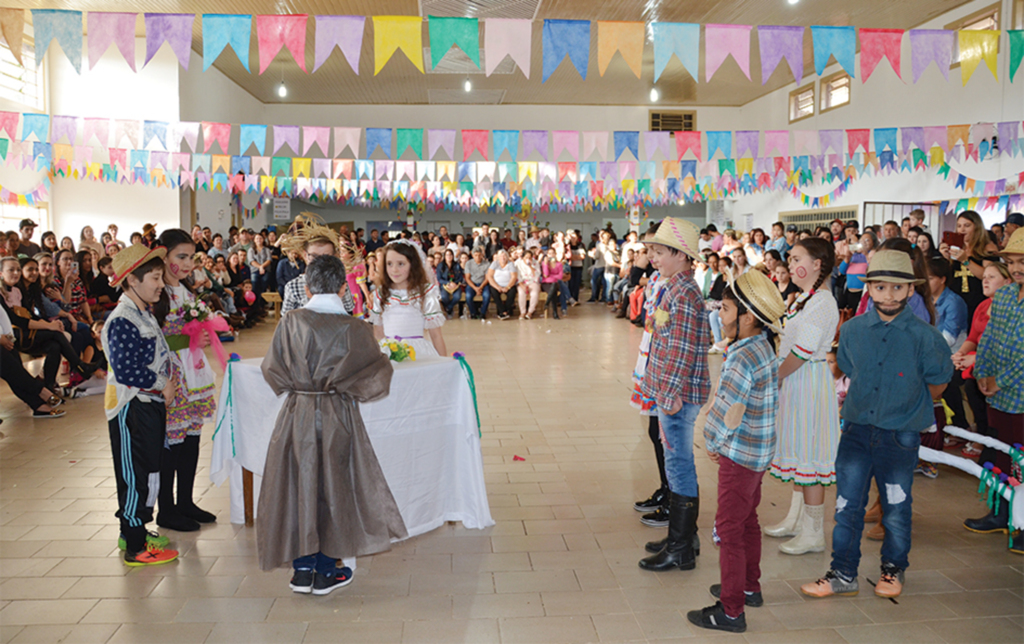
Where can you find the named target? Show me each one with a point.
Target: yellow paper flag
(625, 37)
(977, 45)
(301, 167)
(938, 157)
(391, 33)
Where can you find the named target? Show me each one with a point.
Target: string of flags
(561, 39)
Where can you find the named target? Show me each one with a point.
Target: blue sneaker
(302, 581)
(325, 584)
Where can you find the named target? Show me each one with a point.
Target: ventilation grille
(460, 97)
(673, 121)
(457, 62)
(811, 219)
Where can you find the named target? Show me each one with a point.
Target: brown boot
(877, 532)
(874, 513)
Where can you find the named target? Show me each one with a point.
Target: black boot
(186, 468)
(169, 517)
(1017, 542)
(655, 547)
(678, 550)
(991, 522)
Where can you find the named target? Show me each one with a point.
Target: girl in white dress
(407, 304)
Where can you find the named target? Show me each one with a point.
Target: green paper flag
(1016, 50)
(445, 32)
(410, 138)
(282, 165)
(3, 148)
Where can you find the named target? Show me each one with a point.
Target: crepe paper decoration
(410, 138)
(173, 28)
(286, 134)
(561, 38)
(627, 38)
(805, 142)
(747, 141)
(567, 171)
(778, 43)
(378, 137)
(219, 132)
(977, 45)
(275, 31)
(595, 141)
(280, 165)
(719, 141)
(221, 30)
(405, 170)
(38, 124)
(391, 33)
(626, 141)
(859, 138)
(321, 136)
(931, 45)
(777, 140)
(957, 134)
(12, 26)
(566, 140)
(347, 137)
(627, 169)
(252, 135)
(506, 140)
(876, 44)
(535, 140)
(302, 167)
(547, 171)
(687, 141)
(512, 38)
(446, 169)
(107, 28)
(885, 138)
(65, 27)
(655, 141)
(343, 32)
(261, 165)
(1016, 38)
(474, 140)
(840, 42)
(64, 126)
(912, 136)
(722, 40)
(241, 164)
(679, 38)
(466, 172)
(936, 136)
(444, 139)
(154, 130)
(221, 162)
(446, 33)
(189, 131)
(1009, 137)
(527, 170)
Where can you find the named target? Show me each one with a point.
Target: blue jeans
(260, 282)
(449, 300)
(890, 457)
(597, 285)
(715, 320)
(478, 310)
(319, 562)
(609, 284)
(679, 467)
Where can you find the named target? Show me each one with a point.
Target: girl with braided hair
(808, 417)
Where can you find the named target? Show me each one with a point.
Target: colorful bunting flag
(840, 42)
(65, 27)
(64, 126)
(876, 44)
(344, 32)
(679, 39)
(107, 28)
(777, 140)
(563, 38)
(627, 38)
(719, 141)
(12, 26)
(535, 141)
(595, 141)
(446, 33)
(219, 132)
(321, 136)
(286, 134)
(347, 137)
(931, 45)
(626, 141)
(722, 40)
(474, 140)
(687, 141)
(221, 30)
(378, 137)
(777, 43)
(173, 28)
(506, 140)
(275, 31)
(503, 37)
(154, 130)
(977, 45)
(444, 139)
(95, 127)
(566, 140)
(391, 33)
(409, 138)
(1016, 38)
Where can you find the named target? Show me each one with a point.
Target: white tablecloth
(424, 433)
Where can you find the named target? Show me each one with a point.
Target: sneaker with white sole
(833, 583)
(302, 581)
(890, 584)
(325, 584)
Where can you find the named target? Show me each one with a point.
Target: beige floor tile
(413, 607)
(825, 613)
(164, 634)
(93, 567)
(810, 636)
(469, 631)
(235, 633)
(984, 603)
(52, 611)
(363, 632)
(911, 608)
(617, 628)
(587, 602)
(191, 586)
(80, 634)
(134, 611)
(887, 634)
(563, 630)
(542, 543)
(497, 605)
(985, 578)
(27, 567)
(336, 607)
(225, 609)
(977, 631)
(453, 584)
(80, 548)
(127, 587)
(535, 581)
(8, 633)
(494, 562)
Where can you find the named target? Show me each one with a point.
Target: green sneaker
(152, 539)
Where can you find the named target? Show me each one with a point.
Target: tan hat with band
(761, 297)
(892, 266)
(1015, 246)
(130, 259)
(679, 234)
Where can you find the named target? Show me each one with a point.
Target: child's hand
(204, 340)
(713, 456)
(674, 408)
(988, 386)
(170, 390)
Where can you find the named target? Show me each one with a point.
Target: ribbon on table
(194, 330)
(472, 386)
(229, 411)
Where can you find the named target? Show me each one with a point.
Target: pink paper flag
(124, 128)
(343, 168)
(180, 161)
(876, 44)
(83, 154)
(274, 31)
(347, 137)
(722, 40)
(118, 156)
(806, 141)
(474, 140)
(345, 32)
(568, 140)
(861, 139)
(507, 38)
(9, 124)
(595, 141)
(261, 165)
(219, 132)
(98, 127)
(106, 28)
(936, 135)
(627, 169)
(776, 140)
(319, 135)
(687, 141)
(187, 131)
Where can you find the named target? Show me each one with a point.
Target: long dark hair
(418, 280)
(822, 250)
(920, 263)
(171, 239)
(31, 294)
(85, 276)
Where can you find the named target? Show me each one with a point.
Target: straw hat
(760, 296)
(1016, 244)
(891, 266)
(679, 234)
(148, 228)
(131, 258)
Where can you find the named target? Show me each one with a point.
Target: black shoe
(656, 519)
(714, 618)
(197, 514)
(176, 522)
(754, 600)
(654, 547)
(990, 523)
(678, 550)
(1017, 542)
(302, 582)
(324, 584)
(656, 501)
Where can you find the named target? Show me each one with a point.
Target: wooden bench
(272, 297)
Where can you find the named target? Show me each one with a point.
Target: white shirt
(326, 303)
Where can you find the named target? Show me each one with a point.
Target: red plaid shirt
(677, 367)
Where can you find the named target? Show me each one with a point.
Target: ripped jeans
(889, 456)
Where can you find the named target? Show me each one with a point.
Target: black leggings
(22, 384)
(654, 431)
(53, 345)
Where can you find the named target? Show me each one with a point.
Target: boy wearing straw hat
(999, 368)
(138, 384)
(740, 437)
(677, 379)
(897, 366)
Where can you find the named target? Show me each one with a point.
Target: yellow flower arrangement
(398, 351)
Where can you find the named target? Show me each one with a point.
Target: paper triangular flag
(275, 31)
(975, 46)
(446, 33)
(173, 28)
(65, 27)
(107, 28)
(345, 32)
(627, 38)
(12, 25)
(391, 33)
(221, 30)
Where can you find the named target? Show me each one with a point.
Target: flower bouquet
(198, 318)
(397, 351)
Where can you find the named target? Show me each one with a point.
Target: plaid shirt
(1001, 352)
(295, 296)
(749, 377)
(677, 366)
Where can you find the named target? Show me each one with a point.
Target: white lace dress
(408, 318)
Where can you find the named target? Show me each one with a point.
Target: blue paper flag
(43, 154)
(38, 124)
(563, 38)
(688, 167)
(885, 136)
(506, 140)
(220, 30)
(719, 141)
(154, 130)
(241, 164)
(627, 141)
(467, 171)
(378, 136)
(138, 158)
(679, 38)
(588, 169)
(252, 135)
(840, 42)
(66, 27)
(364, 167)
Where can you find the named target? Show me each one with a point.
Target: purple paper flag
(655, 141)
(319, 135)
(187, 130)
(63, 126)
(777, 43)
(831, 139)
(106, 28)
(927, 45)
(776, 140)
(568, 140)
(173, 28)
(936, 135)
(912, 135)
(535, 140)
(98, 127)
(747, 141)
(286, 134)
(1008, 137)
(347, 137)
(345, 32)
(444, 139)
(722, 40)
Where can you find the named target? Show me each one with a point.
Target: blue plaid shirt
(749, 377)
(1001, 351)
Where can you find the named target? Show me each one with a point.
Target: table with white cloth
(425, 435)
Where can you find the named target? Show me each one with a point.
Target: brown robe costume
(323, 489)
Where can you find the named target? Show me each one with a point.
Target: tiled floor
(559, 566)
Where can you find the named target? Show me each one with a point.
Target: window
(12, 214)
(835, 91)
(801, 103)
(22, 85)
(986, 19)
(673, 121)
(1018, 14)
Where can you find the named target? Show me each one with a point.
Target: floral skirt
(190, 409)
(808, 427)
(647, 406)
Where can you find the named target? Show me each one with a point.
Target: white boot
(791, 524)
(811, 537)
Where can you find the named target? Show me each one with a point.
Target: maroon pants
(1008, 428)
(739, 493)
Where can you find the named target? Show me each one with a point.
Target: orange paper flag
(625, 37)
